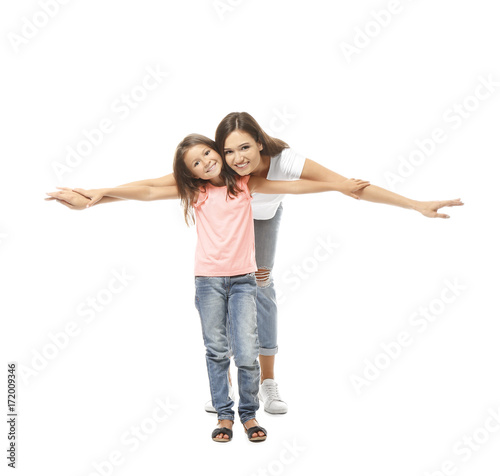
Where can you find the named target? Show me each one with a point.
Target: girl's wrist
(336, 187)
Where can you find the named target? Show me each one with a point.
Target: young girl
(225, 266)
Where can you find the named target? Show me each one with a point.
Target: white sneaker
(210, 408)
(269, 394)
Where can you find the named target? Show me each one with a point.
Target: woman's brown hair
(187, 184)
(243, 121)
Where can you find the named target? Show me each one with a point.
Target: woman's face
(203, 162)
(241, 152)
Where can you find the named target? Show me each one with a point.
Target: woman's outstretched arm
(372, 193)
(71, 199)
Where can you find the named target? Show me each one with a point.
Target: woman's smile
(242, 166)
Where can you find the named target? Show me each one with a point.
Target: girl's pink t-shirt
(226, 242)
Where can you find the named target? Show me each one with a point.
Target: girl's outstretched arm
(138, 192)
(66, 196)
(262, 185)
(314, 171)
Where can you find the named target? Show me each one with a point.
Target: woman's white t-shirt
(287, 165)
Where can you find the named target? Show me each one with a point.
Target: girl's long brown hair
(187, 185)
(245, 122)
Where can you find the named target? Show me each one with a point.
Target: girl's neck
(217, 182)
(263, 168)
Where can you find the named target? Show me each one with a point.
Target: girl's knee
(247, 359)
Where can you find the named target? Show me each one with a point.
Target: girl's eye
(196, 163)
(228, 152)
(208, 152)
(245, 147)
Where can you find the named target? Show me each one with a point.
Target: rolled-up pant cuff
(247, 418)
(225, 417)
(263, 351)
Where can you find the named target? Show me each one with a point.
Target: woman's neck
(263, 168)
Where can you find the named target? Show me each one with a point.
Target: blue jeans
(266, 237)
(228, 319)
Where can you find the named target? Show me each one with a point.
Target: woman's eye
(228, 152)
(208, 152)
(196, 163)
(245, 147)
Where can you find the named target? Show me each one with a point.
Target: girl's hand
(429, 209)
(65, 196)
(349, 186)
(94, 194)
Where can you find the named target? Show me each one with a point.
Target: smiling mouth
(211, 168)
(241, 166)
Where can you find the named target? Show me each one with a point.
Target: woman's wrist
(415, 205)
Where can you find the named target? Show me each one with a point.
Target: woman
(248, 150)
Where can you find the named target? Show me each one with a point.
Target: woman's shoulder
(288, 161)
(285, 153)
(286, 158)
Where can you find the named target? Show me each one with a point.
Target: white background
(357, 115)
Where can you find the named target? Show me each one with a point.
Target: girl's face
(241, 152)
(203, 162)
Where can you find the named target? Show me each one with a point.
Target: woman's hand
(429, 209)
(65, 196)
(93, 194)
(349, 186)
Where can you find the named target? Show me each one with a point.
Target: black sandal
(223, 431)
(255, 429)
